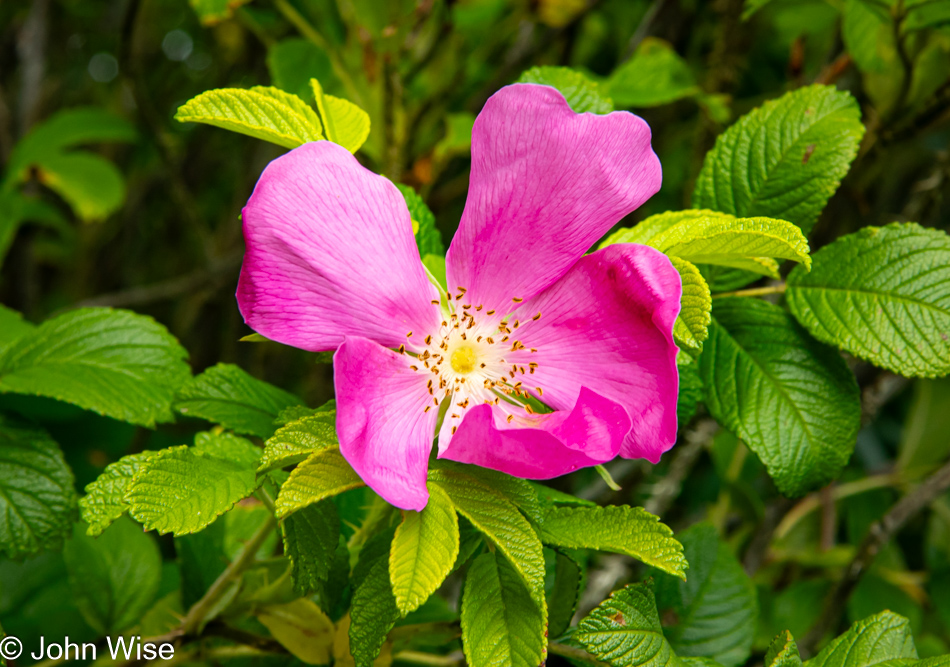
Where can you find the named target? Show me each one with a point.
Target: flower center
(463, 359)
(475, 358)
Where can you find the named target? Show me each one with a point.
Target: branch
(879, 535)
(668, 488)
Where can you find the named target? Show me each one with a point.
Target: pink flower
(332, 264)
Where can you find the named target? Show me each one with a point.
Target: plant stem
(878, 535)
(421, 658)
(608, 480)
(574, 653)
(195, 618)
(755, 291)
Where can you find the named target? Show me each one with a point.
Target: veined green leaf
(104, 501)
(37, 501)
(625, 630)
(423, 551)
(114, 577)
(302, 628)
(428, 237)
(655, 75)
(311, 536)
(500, 521)
(716, 606)
(783, 652)
(517, 491)
(581, 93)
(264, 113)
(91, 185)
(690, 394)
(325, 474)
(882, 637)
(12, 326)
(345, 123)
(627, 530)
(882, 294)
(562, 601)
(691, 326)
(113, 362)
(373, 614)
(792, 400)
(183, 489)
(225, 394)
(502, 625)
(299, 439)
(784, 159)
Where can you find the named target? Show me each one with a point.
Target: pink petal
(384, 431)
(607, 325)
(541, 446)
(330, 253)
(546, 183)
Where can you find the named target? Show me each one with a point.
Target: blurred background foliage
(106, 200)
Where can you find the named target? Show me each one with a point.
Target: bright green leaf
(785, 159)
(580, 92)
(716, 606)
(625, 630)
(428, 237)
(324, 475)
(783, 652)
(12, 326)
(114, 577)
(345, 123)
(626, 530)
(423, 551)
(311, 536)
(37, 500)
(299, 439)
(104, 501)
(691, 326)
(227, 395)
(517, 491)
(91, 185)
(655, 75)
(502, 625)
(792, 400)
(264, 113)
(302, 628)
(884, 636)
(113, 362)
(882, 294)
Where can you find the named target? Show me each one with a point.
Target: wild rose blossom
(332, 264)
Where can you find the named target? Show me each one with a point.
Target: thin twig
(668, 488)
(878, 535)
(755, 291)
(758, 548)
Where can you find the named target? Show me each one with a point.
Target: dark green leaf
(372, 614)
(311, 536)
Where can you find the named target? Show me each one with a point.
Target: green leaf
(626, 530)
(792, 400)
(428, 237)
(923, 438)
(423, 551)
(716, 606)
(868, 33)
(783, 652)
(113, 362)
(882, 294)
(690, 394)
(373, 614)
(104, 501)
(183, 489)
(264, 113)
(458, 136)
(311, 536)
(580, 92)
(227, 395)
(324, 475)
(625, 630)
(211, 12)
(784, 159)
(299, 439)
(502, 625)
(884, 636)
(114, 577)
(293, 62)
(501, 522)
(517, 491)
(655, 75)
(565, 593)
(345, 123)
(12, 326)
(691, 326)
(302, 628)
(708, 237)
(91, 185)
(37, 500)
